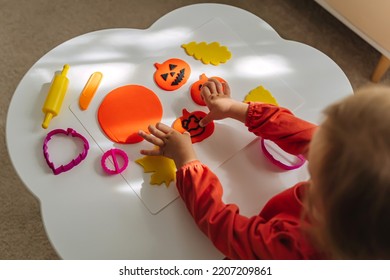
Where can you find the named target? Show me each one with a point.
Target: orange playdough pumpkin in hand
(197, 87)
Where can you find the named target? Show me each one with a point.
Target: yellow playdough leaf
(164, 169)
(260, 94)
(212, 53)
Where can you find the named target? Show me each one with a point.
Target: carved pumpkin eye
(172, 74)
(165, 75)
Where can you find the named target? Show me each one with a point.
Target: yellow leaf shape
(212, 53)
(260, 94)
(164, 169)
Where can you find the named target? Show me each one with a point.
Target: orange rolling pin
(55, 96)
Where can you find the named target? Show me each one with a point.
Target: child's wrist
(184, 156)
(238, 111)
(183, 161)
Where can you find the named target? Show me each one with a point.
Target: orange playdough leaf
(126, 110)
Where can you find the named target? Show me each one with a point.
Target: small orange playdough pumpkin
(172, 74)
(197, 86)
(190, 122)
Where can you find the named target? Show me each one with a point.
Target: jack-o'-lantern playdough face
(197, 87)
(172, 74)
(190, 122)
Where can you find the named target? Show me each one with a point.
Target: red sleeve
(280, 126)
(236, 236)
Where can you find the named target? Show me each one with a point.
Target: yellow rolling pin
(55, 96)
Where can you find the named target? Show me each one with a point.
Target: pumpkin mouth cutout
(179, 78)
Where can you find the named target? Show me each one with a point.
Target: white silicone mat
(229, 136)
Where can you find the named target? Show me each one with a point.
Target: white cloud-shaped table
(91, 216)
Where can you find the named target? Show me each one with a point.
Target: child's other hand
(217, 98)
(170, 143)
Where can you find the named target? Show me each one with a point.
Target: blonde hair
(353, 181)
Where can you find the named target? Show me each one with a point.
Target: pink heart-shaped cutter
(74, 162)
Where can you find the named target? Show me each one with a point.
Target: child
(341, 212)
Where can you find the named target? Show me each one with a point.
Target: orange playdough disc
(126, 110)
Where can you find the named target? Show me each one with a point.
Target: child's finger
(206, 120)
(151, 139)
(226, 89)
(218, 85)
(154, 152)
(164, 128)
(156, 131)
(210, 84)
(205, 92)
(206, 96)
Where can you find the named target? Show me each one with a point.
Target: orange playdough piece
(190, 122)
(89, 90)
(197, 87)
(126, 110)
(172, 74)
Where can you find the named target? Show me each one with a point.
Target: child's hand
(170, 143)
(217, 98)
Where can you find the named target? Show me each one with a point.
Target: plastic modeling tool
(89, 90)
(55, 96)
(114, 153)
(301, 159)
(74, 162)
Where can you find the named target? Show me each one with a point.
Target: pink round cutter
(114, 153)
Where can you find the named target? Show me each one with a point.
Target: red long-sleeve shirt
(276, 232)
